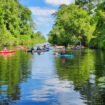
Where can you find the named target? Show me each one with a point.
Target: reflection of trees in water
(13, 71)
(100, 72)
(91, 94)
(76, 69)
(83, 71)
(100, 63)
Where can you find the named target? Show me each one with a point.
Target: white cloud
(59, 2)
(42, 15)
(44, 20)
(41, 11)
(42, 94)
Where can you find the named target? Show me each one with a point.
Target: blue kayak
(67, 56)
(47, 49)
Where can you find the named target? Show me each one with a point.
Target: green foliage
(84, 20)
(99, 41)
(88, 5)
(62, 6)
(74, 70)
(16, 24)
(72, 23)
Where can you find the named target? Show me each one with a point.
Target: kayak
(47, 49)
(20, 47)
(8, 51)
(30, 50)
(37, 50)
(67, 56)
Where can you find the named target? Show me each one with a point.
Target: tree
(16, 24)
(72, 22)
(99, 32)
(87, 4)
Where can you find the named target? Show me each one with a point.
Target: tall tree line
(84, 20)
(16, 24)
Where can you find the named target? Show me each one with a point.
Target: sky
(41, 12)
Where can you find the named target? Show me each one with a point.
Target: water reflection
(45, 79)
(5, 55)
(13, 71)
(83, 71)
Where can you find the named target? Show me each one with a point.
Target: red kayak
(8, 51)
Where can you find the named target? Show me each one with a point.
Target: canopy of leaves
(84, 20)
(16, 24)
(72, 23)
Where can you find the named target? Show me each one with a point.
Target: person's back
(38, 48)
(63, 51)
(44, 46)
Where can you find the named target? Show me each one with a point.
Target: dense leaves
(84, 20)
(99, 41)
(16, 24)
(72, 23)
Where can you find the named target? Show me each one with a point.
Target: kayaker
(38, 48)
(32, 49)
(63, 51)
(5, 49)
(44, 45)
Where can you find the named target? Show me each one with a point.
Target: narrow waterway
(45, 79)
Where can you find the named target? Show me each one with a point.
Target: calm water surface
(32, 79)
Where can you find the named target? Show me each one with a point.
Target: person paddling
(32, 49)
(38, 48)
(5, 49)
(62, 51)
(44, 46)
